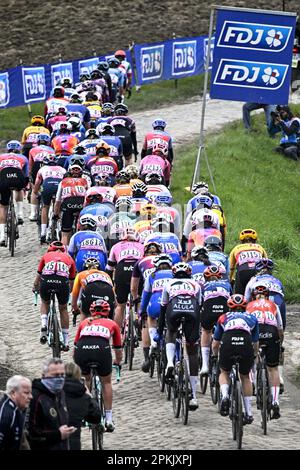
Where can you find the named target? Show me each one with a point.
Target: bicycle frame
(263, 395)
(236, 403)
(54, 333)
(11, 225)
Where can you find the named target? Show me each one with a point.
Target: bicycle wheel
(176, 391)
(54, 332)
(131, 340)
(185, 393)
(239, 416)
(233, 412)
(97, 429)
(11, 229)
(214, 383)
(203, 383)
(264, 401)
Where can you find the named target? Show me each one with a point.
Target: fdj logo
(4, 89)
(152, 62)
(87, 66)
(34, 84)
(250, 74)
(184, 57)
(61, 71)
(261, 37)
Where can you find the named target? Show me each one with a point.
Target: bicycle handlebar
(36, 294)
(118, 372)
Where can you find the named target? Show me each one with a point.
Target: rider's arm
(117, 342)
(76, 291)
(232, 263)
(37, 183)
(146, 295)
(72, 246)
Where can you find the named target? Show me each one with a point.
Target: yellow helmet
(38, 120)
(148, 209)
(248, 233)
(103, 147)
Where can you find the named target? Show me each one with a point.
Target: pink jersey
(182, 286)
(49, 172)
(125, 250)
(104, 165)
(53, 122)
(155, 164)
(157, 139)
(38, 153)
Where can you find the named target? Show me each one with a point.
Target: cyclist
(89, 285)
(30, 134)
(69, 199)
(139, 198)
(198, 189)
(181, 297)
(102, 162)
(156, 163)
(13, 175)
(237, 333)
(197, 218)
(64, 143)
(215, 293)
(151, 296)
(87, 243)
(213, 245)
(92, 346)
(122, 186)
(56, 119)
(126, 66)
(89, 143)
(108, 111)
(75, 106)
(121, 220)
(122, 258)
(142, 269)
(103, 67)
(48, 178)
(270, 337)
(158, 138)
(163, 233)
(107, 134)
(56, 271)
(243, 258)
(200, 261)
(54, 102)
(117, 79)
(126, 130)
(78, 130)
(93, 205)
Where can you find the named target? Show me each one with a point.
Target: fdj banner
(152, 62)
(61, 71)
(184, 57)
(252, 55)
(34, 84)
(4, 89)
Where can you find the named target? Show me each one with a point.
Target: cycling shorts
(269, 338)
(236, 343)
(95, 350)
(10, 178)
(59, 284)
(123, 275)
(125, 137)
(70, 208)
(97, 290)
(49, 191)
(187, 307)
(243, 276)
(212, 310)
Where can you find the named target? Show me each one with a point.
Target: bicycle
(54, 333)
(96, 391)
(263, 391)
(130, 334)
(214, 372)
(164, 385)
(181, 389)
(11, 226)
(236, 403)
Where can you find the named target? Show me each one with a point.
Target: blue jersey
(81, 110)
(152, 292)
(80, 134)
(87, 244)
(214, 289)
(169, 242)
(197, 270)
(220, 259)
(232, 321)
(194, 201)
(116, 147)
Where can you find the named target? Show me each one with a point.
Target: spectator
(284, 120)
(12, 412)
(81, 406)
(248, 107)
(48, 417)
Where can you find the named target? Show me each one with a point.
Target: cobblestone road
(144, 419)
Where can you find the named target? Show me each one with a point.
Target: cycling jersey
(90, 147)
(50, 175)
(196, 220)
(87, 277)
(57, 263)
(71, 187)
(64, 144)
(81, 111)
(52, 104)
(155, 164)
(143, 228)
(11, 161)
(36, 158)
(181, 287)
(237, 321)
(144, 267)
(245, 255)
(101, 328)
(30, 134)
(54, 122)
(169, 242)
(157, 139)
(87, 244)
(266, 312)
(108, 194)
(101, 213)
(272, 283)
(194, 201)
(197, 270)
(220, 259)
(152, 292)
(123, 190)
(124, 251)
(215, 289)
(103, 165)
(197, 237)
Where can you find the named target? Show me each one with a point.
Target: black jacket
(47, 412)
(81, 407)
(11, 424)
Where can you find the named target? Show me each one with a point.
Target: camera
(275, 114)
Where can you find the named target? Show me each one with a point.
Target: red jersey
(266, 312)
(100, 327)
(56, 262)
(70, 187)
(38, 153)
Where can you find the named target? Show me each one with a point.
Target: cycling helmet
(74, 121)
(212, 271)
(50, 159)
(237, 301)
(132, 170)
(75, 170)
(91, 134)
(100, 307)
(139, 188)
(92, 96)
(212, 242)
(88, 221)
(248, 233)
(75, 97)
(77, 160)
(58, 92)
(80, 150)
(204, 201)
(123, 203)
(39, 120)
(102, 148)
(103, 66)
(120, 53)
(160, 224)
(64, 126)
(121, 109)
(67, 83)
(95, 198)
(260, 290)
(61, 110)
(113, 62)
(102, 180)
(122, 177)
(153, 178)
(105, 128)
(128, 233)
(96, 74)
(43, 138)
(159, 123)
(199, 187)
(14, 145)
(199, 251)
(148, 210)
(162, 259)
(56, 246)
(182, 269)
(84, 76)
(264, 263)
(153, 244)
(91, 263)
(108, 109)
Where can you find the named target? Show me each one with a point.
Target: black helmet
(80, 150)
(113, 62)
(213, 242)
(103, 66)
(121, 109)
(108, 109)
(96, 74)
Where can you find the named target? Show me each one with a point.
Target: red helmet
(120, 53)
(212, 271)
(56, 246)
(237, 301)
(260, 290)
(100, 307)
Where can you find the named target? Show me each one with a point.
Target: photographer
(283, 120)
